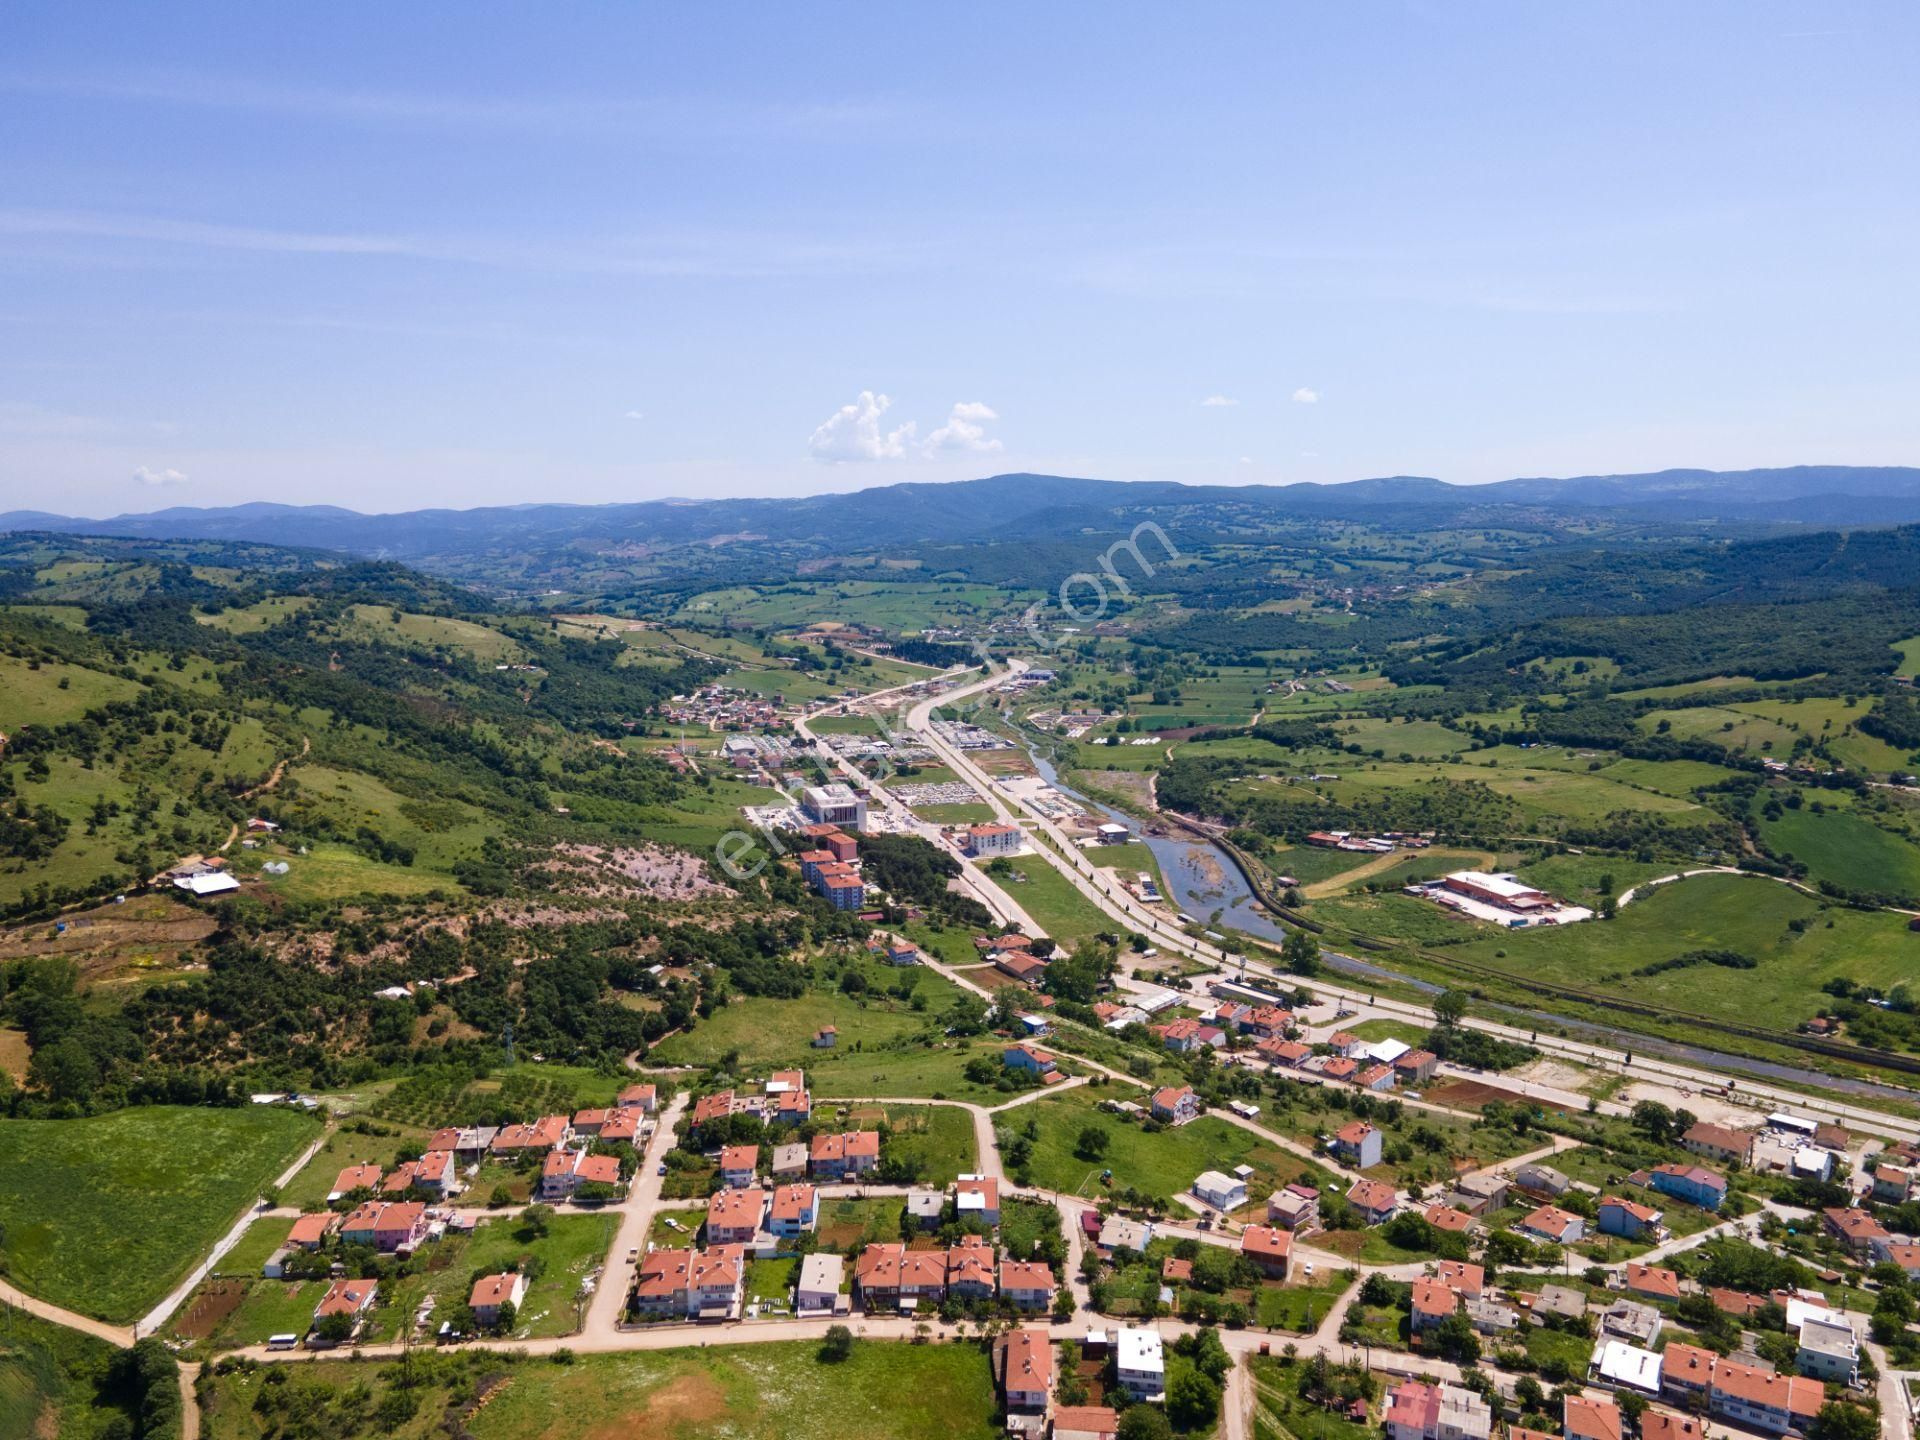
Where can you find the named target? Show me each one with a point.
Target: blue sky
(395, 256)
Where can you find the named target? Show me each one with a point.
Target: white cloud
(853, 433)
(1215, 402)
(1304, 396)
(963, 431)
(636, 414)
(147, 475)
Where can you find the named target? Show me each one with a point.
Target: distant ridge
(1003, 506)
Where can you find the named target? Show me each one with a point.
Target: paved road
(1121, 906)
(636, 1216)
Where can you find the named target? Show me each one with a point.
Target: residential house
(826, 1037)
(1433, 1303)
(1357, 1143)
(1375, 1201)
(1721, 1144)
(1026, 1284)
(977, 1197)
(1340, 1068)
(1652, 1282)
(1030, 1059)
(717, 1106)
(738, 1164)
(972, 1272)
(1461, 1276)
(887, 1277)
(1283, 1054)
(792, 1107)
(564, 1172)
(1344, 1042)
(1490, 1317)
(853, 1152)
(1026, 1373)
(1627, 1219)
(1266, 1022)
(818, 1292)
(1119, 1233)
(1477, 1194)
(1186, 1035)
(1747, 1395)
(386, 1226)
(1550, 1222)
(733, 1216)
(1694, 1184)
(926, 1208)
(1686, 1372)
(1294, 1207)
(546, 1133)
(1829, 1349)
(354, 1177)
(1559, 1301)
(1445, 1218)
(1375, 1077)
(1086, 1422)
(1585, 1417)
(1892, 1184)
(346, 1297)
(590, 1122)
(1416, 1067)
(1419, 1411)
(1538, 1179)
(1223, 1192)
(1269, 1248)
(690, 1284)
(638, 1097)
(309, 1232)
(1853, 1228)
(624, 1127)
(1021, 965)
(1175, 1104)
(1140, 1363)
(1907, 1257)
(789, 1161)
(793, 1211)
(1665, 1425)
(490, 1292)
(1633, 1322)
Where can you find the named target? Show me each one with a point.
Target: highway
(1058, 848)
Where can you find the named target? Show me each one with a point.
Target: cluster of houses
(784, 1100)
(1023, 1367)
(1743, 1390)
(708, 1283)
(1012, 955)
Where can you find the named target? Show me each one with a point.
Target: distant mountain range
(1030, 507)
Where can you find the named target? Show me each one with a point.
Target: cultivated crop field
(102, 1214)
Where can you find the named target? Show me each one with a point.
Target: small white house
(1223, 1192)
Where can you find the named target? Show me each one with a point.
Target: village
(1564, 1281)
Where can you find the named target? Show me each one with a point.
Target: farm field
(69, 1187)
(1745, 914)
(1846, 849)
(883, 1391)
